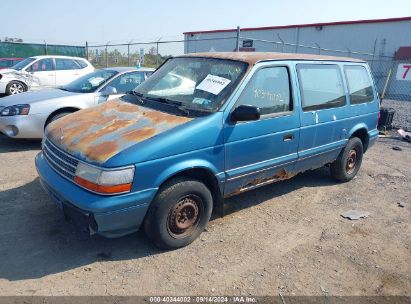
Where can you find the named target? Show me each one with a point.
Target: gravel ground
(287, 237)
(402, 117)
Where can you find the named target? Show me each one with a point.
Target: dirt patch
(286, 237)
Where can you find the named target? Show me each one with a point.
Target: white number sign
(404, 71)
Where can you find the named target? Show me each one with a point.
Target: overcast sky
(77, 21)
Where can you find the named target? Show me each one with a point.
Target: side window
(42, 65)
(66, 64)
(81, 63)
(321, 86)
(269, 90)
(127, 82)
(359, 84)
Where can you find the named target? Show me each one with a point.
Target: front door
(42, 74)
(262, 151)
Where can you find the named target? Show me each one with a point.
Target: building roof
(254, 57)
(403, 53)
(302, 25)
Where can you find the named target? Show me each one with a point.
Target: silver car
(26, 115)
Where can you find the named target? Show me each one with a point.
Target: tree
(152, 51)
(10, 39)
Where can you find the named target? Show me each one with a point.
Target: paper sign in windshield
(213, 84)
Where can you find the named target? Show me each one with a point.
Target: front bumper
(23, 126)
(109, 216)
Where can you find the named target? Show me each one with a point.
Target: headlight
(21, 109)
(104, 181)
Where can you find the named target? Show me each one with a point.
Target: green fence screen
(22, 50)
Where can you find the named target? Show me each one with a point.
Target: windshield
(22, 64)
(201, 84)
(89, 82)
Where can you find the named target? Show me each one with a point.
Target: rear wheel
(15, 87)
(346, 166)
(179, 213)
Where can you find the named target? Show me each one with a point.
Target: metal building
(381, 37)
(377, 41)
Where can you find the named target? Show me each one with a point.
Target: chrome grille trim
(61, 162)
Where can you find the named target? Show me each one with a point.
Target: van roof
(254, 57)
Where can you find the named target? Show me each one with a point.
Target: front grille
(60, 161)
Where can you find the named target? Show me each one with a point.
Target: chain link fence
(23, 49)
(391, 76)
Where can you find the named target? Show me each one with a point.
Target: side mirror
(245, 113)
(109, 91)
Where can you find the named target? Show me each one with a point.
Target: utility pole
(128, 52)
(237, 47)
(107, 54)
(157, 51)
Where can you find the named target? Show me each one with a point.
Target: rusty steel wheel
(351, 161)
(347, 164)
(184, 216)
(179, 213)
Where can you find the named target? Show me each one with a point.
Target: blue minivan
(202, 128)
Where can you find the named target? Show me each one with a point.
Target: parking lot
(286, 238)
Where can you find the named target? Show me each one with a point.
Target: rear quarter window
(359, 84)
(81, 63)
(321, 86)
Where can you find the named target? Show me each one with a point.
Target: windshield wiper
(178, 104)
(139, 96)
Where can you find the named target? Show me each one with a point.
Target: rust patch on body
(101, 132)
(101, 151)
(282, 175)
(257, 182)
(141, 134)
(253, 57)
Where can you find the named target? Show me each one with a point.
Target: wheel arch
(58, 111)
(203, 174)
(18, 80)
(361, 131)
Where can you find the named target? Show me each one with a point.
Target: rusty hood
(96, 134)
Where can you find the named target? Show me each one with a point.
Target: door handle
(288, 137)
(50, 75)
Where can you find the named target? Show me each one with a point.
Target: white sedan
(40, 72)
(26, 115)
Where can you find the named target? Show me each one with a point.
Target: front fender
(152, 174)
(184, 166)
(25, 79)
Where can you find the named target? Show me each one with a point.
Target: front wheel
(55, 117)
(346, 166)
(179, 213)
(15, 87)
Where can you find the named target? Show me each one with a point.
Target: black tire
(55, 117)
(15, 87)
(346, 166)
(179, 213)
